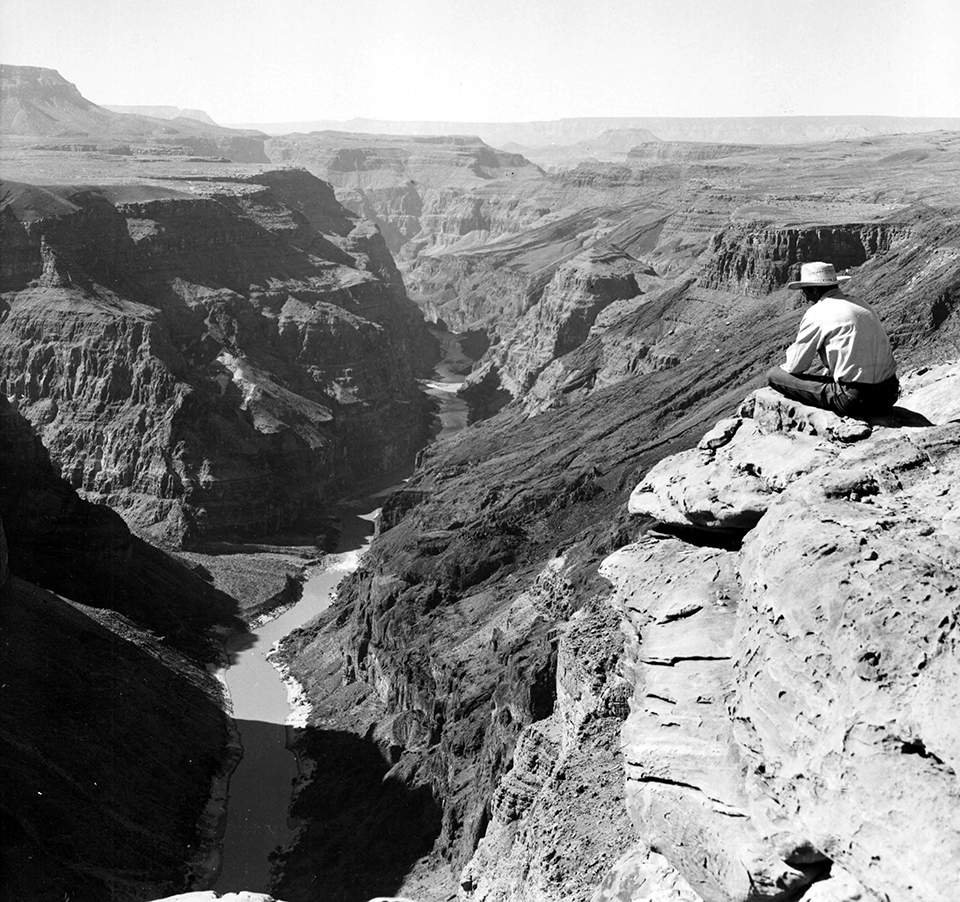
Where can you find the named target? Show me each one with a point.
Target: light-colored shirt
(848, 337)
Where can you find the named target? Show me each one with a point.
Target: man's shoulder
(837, 303)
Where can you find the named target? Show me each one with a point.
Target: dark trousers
(848, 399)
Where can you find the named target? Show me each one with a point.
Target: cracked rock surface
(793, 711)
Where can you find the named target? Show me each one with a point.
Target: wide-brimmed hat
(816, 275)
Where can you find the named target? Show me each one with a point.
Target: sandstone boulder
(740, 466)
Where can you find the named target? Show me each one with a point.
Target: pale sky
(263, 61)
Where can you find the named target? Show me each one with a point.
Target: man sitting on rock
(848, 338)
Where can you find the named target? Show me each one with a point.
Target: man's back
(848, 337)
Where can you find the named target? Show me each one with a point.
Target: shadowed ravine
(260, 788)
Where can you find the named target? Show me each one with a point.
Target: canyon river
(260, 787)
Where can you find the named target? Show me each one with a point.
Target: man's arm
(802, 353)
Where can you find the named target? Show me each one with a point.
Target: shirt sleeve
(802, 353)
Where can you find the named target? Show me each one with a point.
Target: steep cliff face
(557, 822)
(655, 151)
(112, 731)
(756, 262)
(789, 717)
(215, 363)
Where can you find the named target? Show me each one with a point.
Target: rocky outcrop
(214, 364)
(756, 262)
(791, 697)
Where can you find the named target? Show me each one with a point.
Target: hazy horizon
(288, 61)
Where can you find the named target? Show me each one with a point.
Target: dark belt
(870, 386)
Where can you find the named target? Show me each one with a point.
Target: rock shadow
(109, 743)
(85, 551)
(900, 418)
(257, 808)
(364, 826)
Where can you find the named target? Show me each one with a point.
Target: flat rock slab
(730, 485)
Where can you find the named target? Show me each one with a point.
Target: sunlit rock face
(210, 364)
(792, 698)
(556, 819)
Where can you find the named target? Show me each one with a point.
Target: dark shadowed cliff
(112, 731)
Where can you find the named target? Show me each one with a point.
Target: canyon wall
(213, 364)
(755, 261)
(467, 689)
(683, 150)
(113, 733)
(423, 192)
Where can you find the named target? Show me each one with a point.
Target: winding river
(260, 787)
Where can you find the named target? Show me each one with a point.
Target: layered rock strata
(212, 364)
(753, 261)
(653, 151)
(791, 698)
